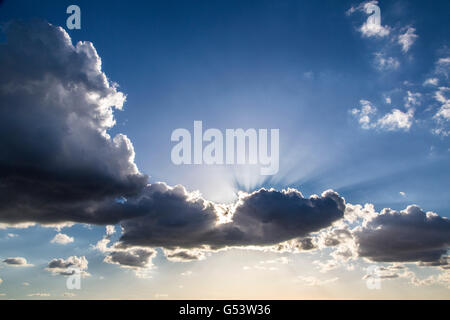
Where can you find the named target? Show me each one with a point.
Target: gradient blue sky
(298, 66)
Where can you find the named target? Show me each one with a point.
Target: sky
(359, 205)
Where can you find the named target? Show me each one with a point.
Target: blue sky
(303, 67)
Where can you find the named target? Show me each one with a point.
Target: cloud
(134, 258)
(264, 217)
(70, 266)
(39, 294)
(69, 295)
(396, 120)
(184, 255)
(56, 107)
(1, 280)
(407, 39)
(412, 99)
(62, 238)
(431, 82)
(392, 121)
(364, 114)
(313, 281)
(384, 63)
(17, 262)
(370, 28)
(410, 235)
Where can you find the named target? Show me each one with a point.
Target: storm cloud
(264, 217)
(410, 235)
(56, 106)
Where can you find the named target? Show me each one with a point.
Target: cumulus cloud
(407, 39)
(17, 262)
(410, 235)
(396, 120)
(431, 82)
(69, 266)
(392, 121)
(364, 114)
(62, 238)
(370, 27)
(56, 107)
(264, 217)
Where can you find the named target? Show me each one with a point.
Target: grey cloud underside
(407, 236)
(137, 258)
(15, 261)
(55, 109)
(264, 217)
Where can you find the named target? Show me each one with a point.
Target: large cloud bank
(59, 164)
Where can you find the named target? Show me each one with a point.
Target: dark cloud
(264, 217)
(56, 107)
(16, 261)
(135, 258)
(411, 235)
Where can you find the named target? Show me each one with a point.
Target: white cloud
(39, 294)
(369, 28)
(431, 82)
(62, 238)
(402, 194)
(110, 230)
(364, 114)
(313, 281)
(384, 63)
(407, 39)
(444, 110)
(396, 120)
(69, 294)
(412, 99)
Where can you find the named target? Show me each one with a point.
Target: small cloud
(39, 294)
(431, 82)
(402, 194)
(364, 114)
(186, 273)
(384, 63)
(396, 120)
(407, 39)
(312, 281)
(62, 238)
(69, 295)
(110, 230)
(17, 262)
(308, 75)
(69, 266)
